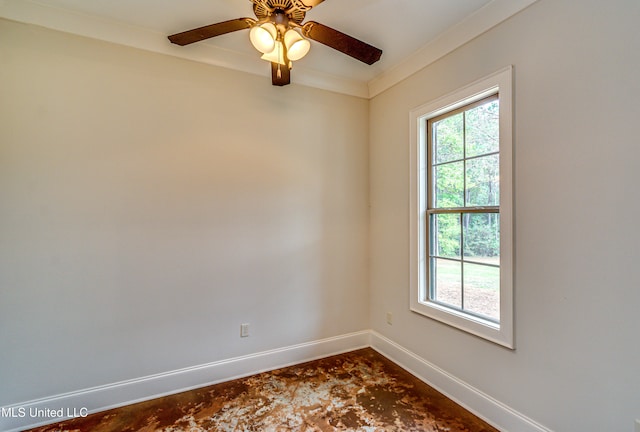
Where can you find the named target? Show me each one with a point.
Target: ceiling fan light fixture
(297, 45)
(263, 37)
(276, 55)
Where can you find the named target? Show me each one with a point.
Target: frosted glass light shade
(275, 56)
(297, 46)
(263, 37)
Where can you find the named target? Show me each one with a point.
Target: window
(461, 209)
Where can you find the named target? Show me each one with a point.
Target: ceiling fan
(279, 34)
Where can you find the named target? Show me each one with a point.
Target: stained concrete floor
(356, 391)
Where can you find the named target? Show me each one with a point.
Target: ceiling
(411, 33)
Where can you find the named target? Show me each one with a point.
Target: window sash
(430, 178)
(430, 294)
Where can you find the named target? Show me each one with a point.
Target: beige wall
(576, 167)
(150, 205)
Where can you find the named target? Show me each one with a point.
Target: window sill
(477, 326)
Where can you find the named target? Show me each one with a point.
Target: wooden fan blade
(342, 42)
(282, 78)
(206, 32)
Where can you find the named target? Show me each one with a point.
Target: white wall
(577, 155)
(150, 205)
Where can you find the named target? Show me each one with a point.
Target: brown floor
(356, 391)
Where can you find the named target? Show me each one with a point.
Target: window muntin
(463, 265)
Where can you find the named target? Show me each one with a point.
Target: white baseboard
(484, 406)
(60, 407)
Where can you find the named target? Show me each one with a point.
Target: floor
(357, 391)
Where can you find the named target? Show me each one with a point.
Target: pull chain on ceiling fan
(278, 33)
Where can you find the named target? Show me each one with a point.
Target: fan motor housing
(294, 9)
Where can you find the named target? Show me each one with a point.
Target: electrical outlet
(389, 318)
(244, 330)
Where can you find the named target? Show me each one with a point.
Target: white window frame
(498, 83)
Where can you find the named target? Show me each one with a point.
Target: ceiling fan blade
(342, 42)
(206, 32)
(280, 75)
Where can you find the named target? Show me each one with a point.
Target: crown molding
(31, 12)
(485, 18)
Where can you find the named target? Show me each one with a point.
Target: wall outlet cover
(244, 330)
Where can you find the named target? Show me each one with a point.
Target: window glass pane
(482, 290)
(446, 241)
(448, 139)
(449, 179)
(482, 237)
(482, 129)
(483, 181)
(446, 282)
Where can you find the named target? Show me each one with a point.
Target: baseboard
(60, 407)
(484, 406)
